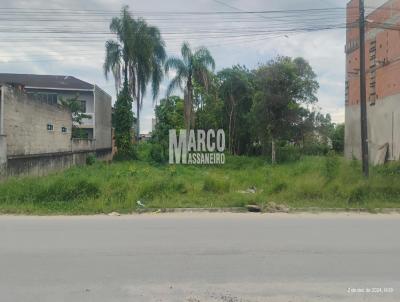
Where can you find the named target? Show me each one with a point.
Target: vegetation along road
(325, 182)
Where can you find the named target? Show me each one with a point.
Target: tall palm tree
(191, 68)
(117, 58)
(137, 56)
(148, 51)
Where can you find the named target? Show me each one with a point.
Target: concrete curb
(192, 210)
(292, 210)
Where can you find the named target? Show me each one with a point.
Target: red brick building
(383, 80)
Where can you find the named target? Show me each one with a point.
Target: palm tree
(117, 52)
(148, 51)
(137, 56)
(190, 69)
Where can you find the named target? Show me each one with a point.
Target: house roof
(45, 81)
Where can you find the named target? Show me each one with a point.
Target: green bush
(157, 153)
(315, 149)
(128, 154)
(91, 159)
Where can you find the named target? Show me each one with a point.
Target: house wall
(86, 96)
(28, 148)
(102, 119)
(382, 81)
(25, 124)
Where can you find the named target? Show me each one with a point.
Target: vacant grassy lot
(325, 182)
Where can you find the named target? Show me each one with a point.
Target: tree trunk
(189, 106)
(273, 152)
(138, 100)
(138, 120)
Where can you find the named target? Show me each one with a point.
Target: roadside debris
(139, 203)
(272, 207)
(114, 214)
(253, 208)
(251, 190)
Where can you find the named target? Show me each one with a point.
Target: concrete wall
(28, 148)
(383, 127)
(25, 124)
(44, 164)
(82, 144)
(102, 119)
(3, 155)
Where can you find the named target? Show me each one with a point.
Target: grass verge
(324, 182)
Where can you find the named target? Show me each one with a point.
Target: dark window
(50, 127)
(83, 106)
(64, 129)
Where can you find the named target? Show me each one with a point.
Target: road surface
(200, 257)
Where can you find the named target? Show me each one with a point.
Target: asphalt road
(200, 257)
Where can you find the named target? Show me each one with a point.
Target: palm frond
(112, 61)
(175, 83)
(186, 52)
(175, 64)
(204, 57)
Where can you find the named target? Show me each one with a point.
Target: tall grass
(327, 182)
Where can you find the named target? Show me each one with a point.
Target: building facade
(36, 130)
(383, 81)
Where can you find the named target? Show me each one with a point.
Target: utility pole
(363, 94)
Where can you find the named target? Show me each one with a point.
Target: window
(48, 98)
(83, 106)
(64, 129)
(50, 127)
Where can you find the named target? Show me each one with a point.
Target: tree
(77, 115)
(236, 92)
(138, 56)
(338, 138)
(123, 124)
(192, 68)
(282, 86)
(169, 115)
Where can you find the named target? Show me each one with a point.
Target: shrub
(91, 159)
(157, 154)
(128, 154)
(316, 149)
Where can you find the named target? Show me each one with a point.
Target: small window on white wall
(64, 129)
(50, 127)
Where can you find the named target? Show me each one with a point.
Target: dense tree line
(266, 111)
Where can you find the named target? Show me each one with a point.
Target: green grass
(326, 182)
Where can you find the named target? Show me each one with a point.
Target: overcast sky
(24, 48)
